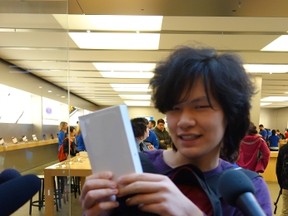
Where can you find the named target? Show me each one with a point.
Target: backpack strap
(192, 176)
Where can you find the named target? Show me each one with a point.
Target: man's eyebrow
(195, 100)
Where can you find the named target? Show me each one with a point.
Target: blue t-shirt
(152, 138)
(273, 141)
(263, 133)
(61, 136)
(80, 143)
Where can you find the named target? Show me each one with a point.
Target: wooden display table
(76, 166)
(25, 156)
(25, 145)
(269, 174)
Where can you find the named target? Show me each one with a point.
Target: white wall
(142, 112)
(274, 118)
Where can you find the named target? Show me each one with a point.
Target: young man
(152, 138)
(162, 134)
(263, 132)
(206, 99)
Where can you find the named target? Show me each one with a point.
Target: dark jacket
(163, 135)
(282, 167)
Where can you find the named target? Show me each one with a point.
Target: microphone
(17, 191)
(238, 190)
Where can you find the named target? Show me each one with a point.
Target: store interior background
(44, 73)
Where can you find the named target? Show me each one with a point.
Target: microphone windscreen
(16, 192)
(8, 174)
(233, 183)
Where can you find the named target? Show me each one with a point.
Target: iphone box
(110, 142)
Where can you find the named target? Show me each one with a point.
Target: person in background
(254, 152)
(286, 133)
(282, 176)
(151, 124)
(263, 132)
(162, 134)
(279, 134)
(62, 133)
(141, 132)
(79, 139)
(152, 138)
(273, 141)
(69, 142)
(206, 97)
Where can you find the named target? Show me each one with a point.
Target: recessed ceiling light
(137, 103)
(264, 104)
(265, 68)
(110, 22)
(112, 66)
(140, 75)
(131, 87)
(135, 97)
(280, 44)
(125, 41)
(275, 99)
(125, 22)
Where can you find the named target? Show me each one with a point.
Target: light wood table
(269, 174)
(76, 166)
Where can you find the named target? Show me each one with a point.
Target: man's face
(150, 125)
(160, 126)
(261, 128)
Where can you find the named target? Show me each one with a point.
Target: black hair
(223, 77)
(70, 129)
(153, 122)
(160, 121)
(252, 130)
(139, 126)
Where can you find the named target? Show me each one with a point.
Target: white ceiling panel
(34, 37)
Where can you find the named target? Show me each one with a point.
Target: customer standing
(62, 133)
(282, 176)
(273, 141)
(263, 132)
(162, 134)
(79, 139)
(254, 152)
(286, 133)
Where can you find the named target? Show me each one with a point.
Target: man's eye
(202, 106)
(175, 108)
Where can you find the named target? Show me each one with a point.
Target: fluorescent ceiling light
(130, 87)
(275, 99)
(265, 68)
(279, 44)
(135, 97)
(125, 23)
(137, 103)
(140, 75)
(264, 104)
(110, 22)
(126, 41)
(102, 66)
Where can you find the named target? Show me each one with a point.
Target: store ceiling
(33, 39)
